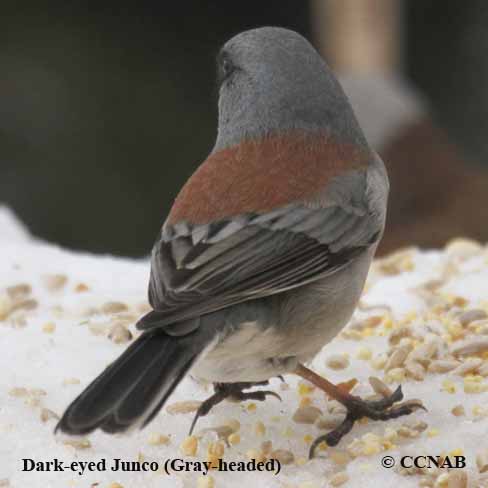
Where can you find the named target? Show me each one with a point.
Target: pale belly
(306, 319)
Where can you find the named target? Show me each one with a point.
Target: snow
(64, 361)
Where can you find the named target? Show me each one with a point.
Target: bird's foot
(232, 391)
(384, 409)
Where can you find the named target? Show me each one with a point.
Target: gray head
(272, 79)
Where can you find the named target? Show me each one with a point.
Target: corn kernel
(378, 362)
(158, 439)
(259, 428)
(395, 375)
(448, 386)
(255, 454)
(364, 353)
(307, 438)
(305, 401)
(433, 433)
(216, 449)
(234, 439)
(304, 389)
(49, 327)
(189, 446)
(456, 452)
(300, 461)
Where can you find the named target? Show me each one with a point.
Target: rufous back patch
(258, 176)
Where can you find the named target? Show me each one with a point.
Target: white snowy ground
(53, 342)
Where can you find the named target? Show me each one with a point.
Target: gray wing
(198, 269)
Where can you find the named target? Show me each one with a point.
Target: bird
(264, 254)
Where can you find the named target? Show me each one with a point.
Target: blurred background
(106, 109)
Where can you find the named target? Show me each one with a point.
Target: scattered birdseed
(54, 282)
(432, 433)
(397, 358)
(27, 304)
(158, 439)
(442, 365)
(470, 347)
(251, 407)
(119, 333)
(283, 456)
(78, 443)
(379, 361)
(49, 327)
(18, 392)
(471, 315)
(462, 249)
(5, 306)
(448, 386)
(395, 375)
(417, 425)
(300, 461)
(234, 439)
(81, 288)
(482, 461)
(458, 478)
(305, 388)
(472, 384)
(305, 401)
(415, 370)
(47, 414)
(266, 447)
(222, 431)
(306, 415)
(113, 307)
(406, 431)
(259, 428)
(364, 353)
(98, 329)
(398, 334)
(458, 410)
(189, 446)
(216, 449)
(483, 370)
(115, 485)
(32, 401)
(329, 421)
(340, 457)
(339, 479)
(397, 262)
(337, 361)
(21, 290)
(255, 454)
(471, 365)
(379, 387)
(71, 381)
(233, 424)
(188, 406)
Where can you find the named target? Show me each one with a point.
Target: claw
(384, 409)
(233, 392)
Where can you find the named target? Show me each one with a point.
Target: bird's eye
(226, 69)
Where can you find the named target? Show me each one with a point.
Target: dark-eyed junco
(265, 252)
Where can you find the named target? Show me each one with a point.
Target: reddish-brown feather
(257, 176)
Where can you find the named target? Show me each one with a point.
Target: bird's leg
(232, 391)
(384, 409)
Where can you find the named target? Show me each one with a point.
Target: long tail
(132, 390)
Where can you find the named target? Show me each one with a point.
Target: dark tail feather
(135, 386)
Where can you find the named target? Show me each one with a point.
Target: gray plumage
(248, 296)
